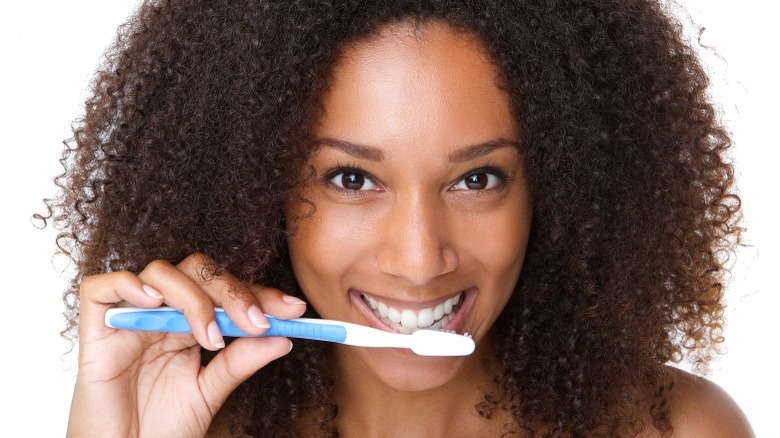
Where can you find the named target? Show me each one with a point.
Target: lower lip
(459, 318)
(456, 324)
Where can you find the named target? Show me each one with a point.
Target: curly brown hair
(199, 126)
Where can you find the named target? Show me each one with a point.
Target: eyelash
(494, 171)
(328, 177)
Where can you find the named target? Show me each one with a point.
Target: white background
(49, 49)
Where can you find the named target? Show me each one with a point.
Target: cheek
(326, 245)
(329, 236)
(498, 243)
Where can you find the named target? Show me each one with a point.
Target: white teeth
(407, 320)
(438, 312)
(425, 318)
(393, 315)
(448, 306)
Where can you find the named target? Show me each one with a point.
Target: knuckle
(199, 267)
(231, 373)
(124, 277)
(157, 267)
(90, 284)
(195, 259)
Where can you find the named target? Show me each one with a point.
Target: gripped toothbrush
(422, 342)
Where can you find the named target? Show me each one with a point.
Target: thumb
(236, 363)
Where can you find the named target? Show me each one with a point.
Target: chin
(402, 370)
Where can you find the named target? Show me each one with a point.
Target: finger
(97, 293)
(236, 363)
(228, 292)
(182, 293)
(245, 305)
(277, 303)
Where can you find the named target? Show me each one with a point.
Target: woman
(554, 167)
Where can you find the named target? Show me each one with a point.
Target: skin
(701, 408)
(152, 384)
(411, 232)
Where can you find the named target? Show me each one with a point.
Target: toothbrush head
(441, 343)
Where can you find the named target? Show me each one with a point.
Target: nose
(416, 246)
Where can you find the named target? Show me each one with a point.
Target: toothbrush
(422, 342)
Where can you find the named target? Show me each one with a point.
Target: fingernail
(151, 292)
(291, 345)
(215, 336)
(257, 318)
(289, 299)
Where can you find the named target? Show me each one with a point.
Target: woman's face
(422, 209)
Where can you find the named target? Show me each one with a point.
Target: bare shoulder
(700, 408)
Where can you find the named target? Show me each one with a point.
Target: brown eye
(350, 179)
(477, 181)
(481, 179)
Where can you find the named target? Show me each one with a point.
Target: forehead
(415, 83)
(407, 43)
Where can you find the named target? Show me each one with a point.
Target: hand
(152, 384)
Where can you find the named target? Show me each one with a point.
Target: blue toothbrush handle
(172, 321)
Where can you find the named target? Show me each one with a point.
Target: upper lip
(407, 304)
(454, 320)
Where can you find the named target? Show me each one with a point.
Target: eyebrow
(469, 153)
(461, 155)
(354, 149)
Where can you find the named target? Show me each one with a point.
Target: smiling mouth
(409, 320)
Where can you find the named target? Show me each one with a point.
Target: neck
(368, 406)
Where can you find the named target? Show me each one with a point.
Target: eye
(351, 179)
(479, 180)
